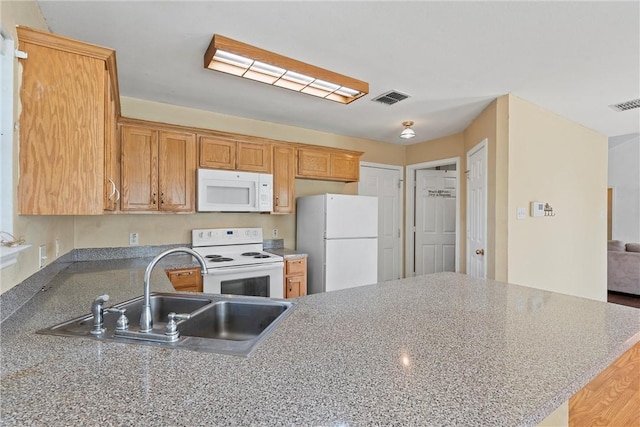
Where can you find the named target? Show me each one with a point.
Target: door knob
(479, 251)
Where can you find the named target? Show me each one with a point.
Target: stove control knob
(210, 234)
(201, 234)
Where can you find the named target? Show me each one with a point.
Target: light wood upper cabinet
(328, 164)
(284, 164)
(177, 171)
(254, 157)
(158, 170)
(69, 97)
(113, 193)
(216, 153)
(221, 153)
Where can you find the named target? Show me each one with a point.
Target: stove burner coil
(220, 259)
(251, 253)
(213, 256)
(262, 256)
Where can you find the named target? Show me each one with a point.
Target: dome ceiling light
(407, 132)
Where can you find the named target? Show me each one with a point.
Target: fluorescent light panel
(243, 60)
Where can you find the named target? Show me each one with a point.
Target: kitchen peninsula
(442, 349)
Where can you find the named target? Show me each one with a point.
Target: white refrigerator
(340, 235)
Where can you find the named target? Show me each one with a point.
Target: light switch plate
(521, 213)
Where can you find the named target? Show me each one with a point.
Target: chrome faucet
(146, 319)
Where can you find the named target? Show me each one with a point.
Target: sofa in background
(623, 267)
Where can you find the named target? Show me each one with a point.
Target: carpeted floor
(624, 299)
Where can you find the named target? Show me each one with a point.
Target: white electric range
(237, 263)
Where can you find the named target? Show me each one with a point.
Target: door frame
(399, 169)
(484, 144)
(411, 203)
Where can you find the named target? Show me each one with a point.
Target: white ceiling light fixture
(407, 132)
(243, 60)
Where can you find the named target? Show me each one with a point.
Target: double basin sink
(217, 323)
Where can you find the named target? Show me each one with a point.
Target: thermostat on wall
(537, 209)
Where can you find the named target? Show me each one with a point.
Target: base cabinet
(186, 279)
(295, 277)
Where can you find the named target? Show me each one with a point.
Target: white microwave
(231, 191)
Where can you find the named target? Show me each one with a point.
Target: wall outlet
(274, 232)
(57, 248)
(42, 256)
(133, 239)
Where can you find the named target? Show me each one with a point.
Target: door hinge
(20, 54)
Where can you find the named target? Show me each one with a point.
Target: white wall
(624, 178)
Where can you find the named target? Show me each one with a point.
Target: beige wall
(554, 160)
(435, 149)
(37, 230)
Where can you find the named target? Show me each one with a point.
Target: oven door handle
(245, 269)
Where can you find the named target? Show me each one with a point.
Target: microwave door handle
(225, 270)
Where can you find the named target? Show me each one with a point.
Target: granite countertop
(287, 253)
(441, 349)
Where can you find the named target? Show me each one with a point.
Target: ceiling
(453, 58)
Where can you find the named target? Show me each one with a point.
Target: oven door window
(253, 286)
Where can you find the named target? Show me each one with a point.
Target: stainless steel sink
(217, 324)
(234, 320)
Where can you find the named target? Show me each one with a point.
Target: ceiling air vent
(624, 106)
(390, 97)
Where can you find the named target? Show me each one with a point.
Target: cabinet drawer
(186, 279)
(296, 266)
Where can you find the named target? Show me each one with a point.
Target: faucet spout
(146, 318)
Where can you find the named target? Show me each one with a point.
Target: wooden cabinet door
(217, 153)
(139, 168)
(177, 171)
(253, 157)
(61, 131)
(111, 152)
(314, 163)
(345, 166)
(284, 163)
(293, 287)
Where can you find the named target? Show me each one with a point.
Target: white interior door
(435, 238)
(386, 184)
(477, 210)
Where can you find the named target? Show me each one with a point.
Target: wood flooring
(612, 398)
(624, 299)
